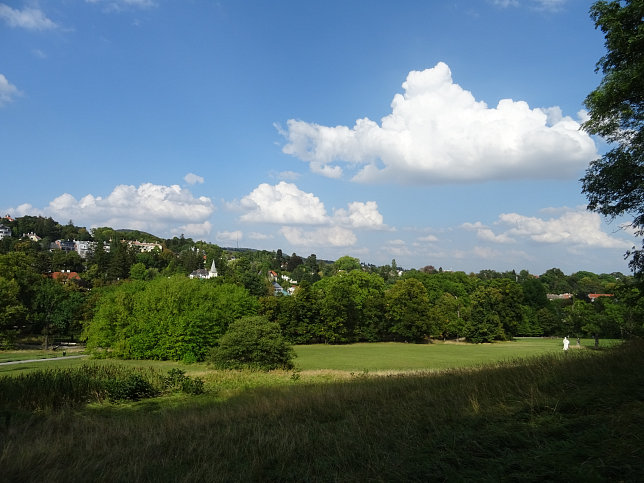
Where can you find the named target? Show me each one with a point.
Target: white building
(202, 273)
(5, 231)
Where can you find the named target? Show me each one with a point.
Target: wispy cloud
(571, 228)
(27, 18)
(121, 5)
(8, 92)
(192, 178)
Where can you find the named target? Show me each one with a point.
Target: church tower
(213, 270)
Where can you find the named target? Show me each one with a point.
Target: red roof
(65, 276)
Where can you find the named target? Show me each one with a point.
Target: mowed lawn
(356, 358)
(408, 357)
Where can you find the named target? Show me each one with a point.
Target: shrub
(176, 380)
(255, 343)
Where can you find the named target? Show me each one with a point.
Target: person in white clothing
(566, 342)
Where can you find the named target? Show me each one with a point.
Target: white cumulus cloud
(360, 215)
(146, 207)
(438, 132)
(7, 91)
(283, 203)
(27, 18)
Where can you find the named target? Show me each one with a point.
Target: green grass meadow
(516, 411)
(436, 356)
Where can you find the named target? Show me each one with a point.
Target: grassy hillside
(577, 416)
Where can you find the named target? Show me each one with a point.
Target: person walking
(566, 342)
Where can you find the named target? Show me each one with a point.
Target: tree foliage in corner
(614, 184)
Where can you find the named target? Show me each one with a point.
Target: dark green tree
(614, 184)
(253, 342)
(408, 311)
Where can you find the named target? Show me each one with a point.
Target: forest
(124, 302)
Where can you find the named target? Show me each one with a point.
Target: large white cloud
(438, 132)
(146, 207)
(360, 215)
(27, 18)
(7, 91)
(283, 203)
(572, 228)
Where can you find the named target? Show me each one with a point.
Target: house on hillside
(594, 296)
(5, 232)
(204, 274)
(32, 236)
(278, 290)
(64, 245)
(559, 296)
(65, 276)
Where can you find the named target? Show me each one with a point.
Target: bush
(255, 343)
(176, 380)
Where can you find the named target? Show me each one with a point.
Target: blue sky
(440, 133)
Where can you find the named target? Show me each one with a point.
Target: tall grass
(577, 417)
(55, 389)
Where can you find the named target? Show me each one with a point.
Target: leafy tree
(555, 281)
(167, 318)
(56, 309)
(255, 343)
(446, 315)
(534, 293)
(346, 264)
(139, 272)
(485, 324)
(293, 262)
(408, 310)
(350, 305)
(12, 312)
(20, 268)
(614, 184)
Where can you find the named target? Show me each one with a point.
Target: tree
(173, 318)
(408, 310)
(350, 306)
(346, 264)
(614, 184)
(12, 312)
(254, 343)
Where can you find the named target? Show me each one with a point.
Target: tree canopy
(614, 184)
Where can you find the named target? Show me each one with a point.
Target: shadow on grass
(576, 416)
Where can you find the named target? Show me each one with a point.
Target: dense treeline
(143, 305)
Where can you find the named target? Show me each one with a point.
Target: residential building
(65, 245)
(144, 246)
(32, 236)
(5, 232)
